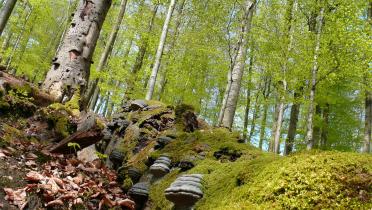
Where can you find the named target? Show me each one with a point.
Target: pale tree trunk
(295, 110)
(266, 95)
(225, 96)
(5, 12)
(71, 67)
(309, 139)
(275, 116)
(6, 42)
(163, 76)
(289, 36)
(316, 126)
(368, 105)
(246, 114)
(159, 52)
(238, 69)
(255, 116)
(106, 52)
(248, 104)
(140, 57)
(18, 41)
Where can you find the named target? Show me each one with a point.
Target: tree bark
(368, 105)
(5, 12)
(310, 132)
(18, 40)
(140, 56)
(295, 110)
(106, 52)
(255, 115)
(266, 94)
(247, 105)
(317, 126)
(289, 36)
(246, 114)
(238, 69)
(159, 52)
(163, 76)
(71, 67)
(275, 116)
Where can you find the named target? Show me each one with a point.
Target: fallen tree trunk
(10, 82)
(79, 140)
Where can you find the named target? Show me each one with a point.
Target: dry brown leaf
(126, 203)
(34, 176)
(55, 203)
(30, 163)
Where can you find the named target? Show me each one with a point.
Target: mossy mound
(259, 180)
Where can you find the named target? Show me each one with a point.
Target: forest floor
(235, 175)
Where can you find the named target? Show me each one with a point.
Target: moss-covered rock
(259, 180)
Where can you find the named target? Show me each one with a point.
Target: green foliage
(75, 146)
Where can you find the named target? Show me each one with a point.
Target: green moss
(58, 119)
(73, 105)
(259, 180)
(157, 196)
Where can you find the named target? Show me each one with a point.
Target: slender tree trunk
(248, 104)
(159, 52)
(18, 40)
(309, 134)
(6, 42)
(289, 36)
(246, 114)
(225, 96)
(237, 70)
(71, 67)
(317, 126)
(163, 76)
(255, 116)
(266, 94)
(295, 110)
(263, 125)
(5, 12)
(275, 116)
(324, 134)
(107, 51)
(368, 105)
(140, 56)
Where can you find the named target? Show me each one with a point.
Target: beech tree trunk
(289, 36)
(5, 12)
(163, 76)
(228, 111)
(248, 104)
(255, 116)
(71, 67)
(275, 116)
(266, 94)
(295, 110)
(18, 41)
(317, 127)
(107, 51)
(143, 45)
(246, 114)
(159, 52)
(310, 132)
